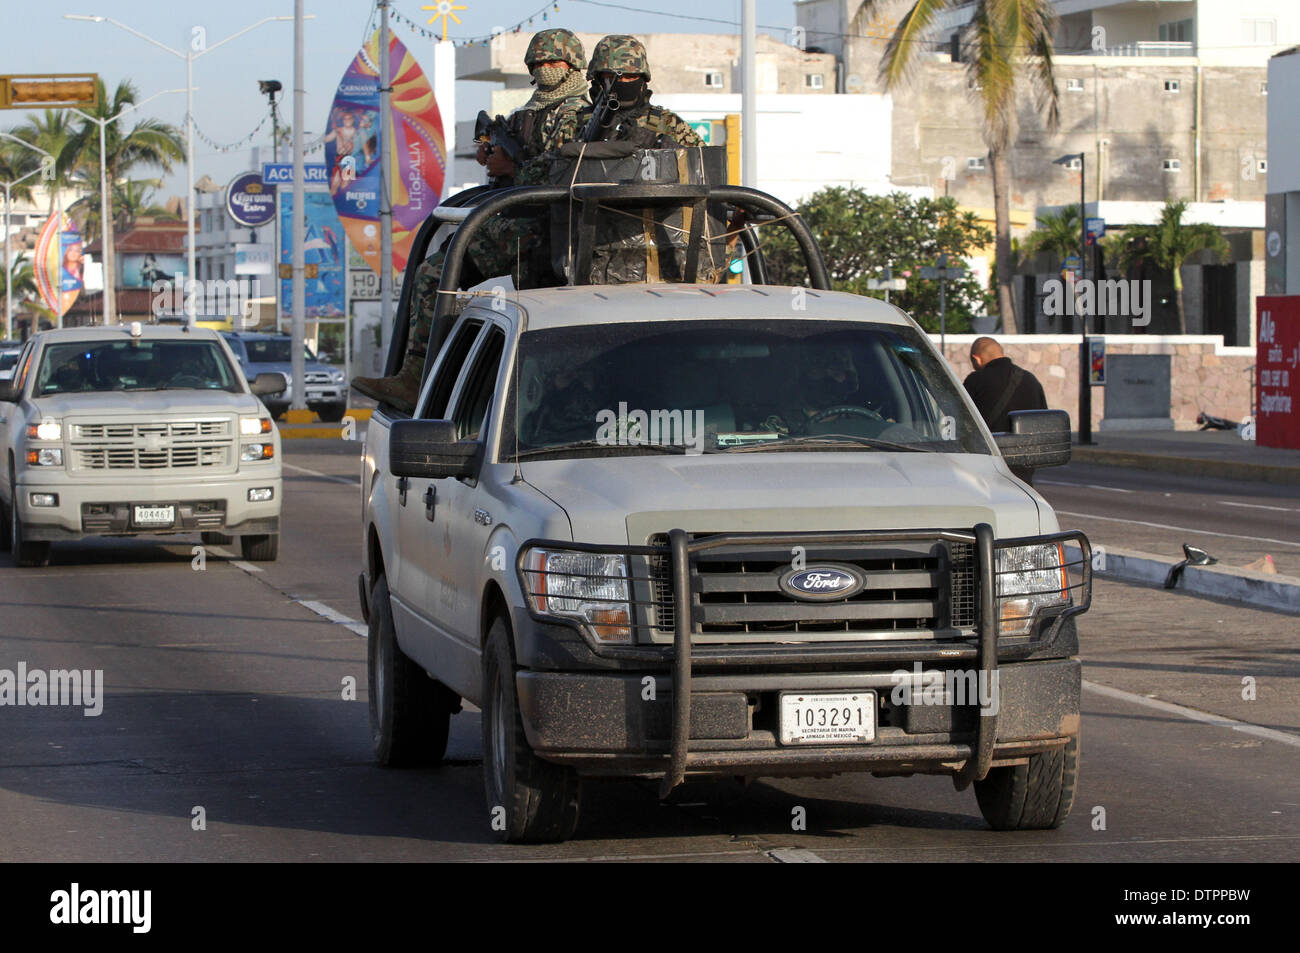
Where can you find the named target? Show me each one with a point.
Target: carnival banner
(415, 145)
(58, 264)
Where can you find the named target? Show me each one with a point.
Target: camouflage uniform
(649, 126)
(494, 249)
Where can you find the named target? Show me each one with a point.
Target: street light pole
(189, 56)
(109, 257)
(8, 187)
(1085, 363)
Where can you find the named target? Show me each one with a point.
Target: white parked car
(136, 430)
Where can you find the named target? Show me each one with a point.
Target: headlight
(257, 451)
(590, 588)
(45, 430)
(1029, 578)
(252, 426)
(337, 377)
(46, 457)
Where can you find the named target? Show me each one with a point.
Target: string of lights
(544, 15)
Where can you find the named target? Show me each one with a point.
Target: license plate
(155, 515)
(844, 718)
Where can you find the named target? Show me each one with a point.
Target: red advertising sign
(1277, 372)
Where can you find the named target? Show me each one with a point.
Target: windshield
(273, 351)
(8, 359)
(735, 386)
(97, 366)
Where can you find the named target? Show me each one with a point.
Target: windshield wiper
(828, 442)
(597, 445)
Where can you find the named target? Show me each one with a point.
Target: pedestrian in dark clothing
(999, 387)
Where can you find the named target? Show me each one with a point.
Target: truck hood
(146, 403)
(628, 499)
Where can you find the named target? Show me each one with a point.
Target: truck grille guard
(978, 644)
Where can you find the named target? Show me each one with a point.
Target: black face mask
(630, 93)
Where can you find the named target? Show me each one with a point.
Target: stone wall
(1206, 375)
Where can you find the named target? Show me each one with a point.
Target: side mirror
(268, 383)
(1038, 438)
(428, 449)
(8, 392)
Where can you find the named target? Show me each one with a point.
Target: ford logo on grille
(823, 583)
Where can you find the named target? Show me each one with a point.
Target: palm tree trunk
(1178, 297)
(1002, 240)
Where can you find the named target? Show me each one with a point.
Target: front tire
(529, 800)
(1033, 797)
(332, 413)
(260, 548)
(410, 713)
(25, 553)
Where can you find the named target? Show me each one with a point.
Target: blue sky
(227, 105)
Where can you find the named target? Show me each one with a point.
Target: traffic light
(49, 90)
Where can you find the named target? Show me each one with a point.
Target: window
(1263, 89)
(1074, 85)
(1259, 32)
(1075, 164)
(1176, 31)
(975, 164)
(713, 79)
(1173, 86)
(813, 80)
(475, 398)
(1173, 165)
(448, 369)
(1261, 165)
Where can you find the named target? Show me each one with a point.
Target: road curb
(1259, 589)
(1190, 466)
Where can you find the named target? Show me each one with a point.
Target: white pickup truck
(134, 430)
(671, 530)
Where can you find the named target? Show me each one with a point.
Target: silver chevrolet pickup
(678, 530)
(133, 430)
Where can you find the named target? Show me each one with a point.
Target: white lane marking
(322, 476)
(333, 615)
(1218, 721)
(1180, 529)
(247, 567)
(793, 855)
(1089, 486)
(1260, 506)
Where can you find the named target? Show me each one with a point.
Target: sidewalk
(1210, 453)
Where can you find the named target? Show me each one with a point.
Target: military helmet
(619, 53)
(558, 45)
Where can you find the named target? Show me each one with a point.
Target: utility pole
(299, 285)
(748, 96)
(385, 203)
(1085, 363)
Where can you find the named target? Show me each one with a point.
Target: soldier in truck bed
(619, 64)
(544, 123)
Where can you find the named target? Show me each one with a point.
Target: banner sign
(281, 173)
(415, 150)
(1277, 372)
(58, 263)
(322, 255)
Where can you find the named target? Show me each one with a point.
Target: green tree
(1167, 245)
(1004, 38)
(49, 130)
(1057, 233)
(23, 279)
(861, 234)
(148, 143)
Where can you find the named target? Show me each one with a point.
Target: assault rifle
(604, 112)
(496, 134)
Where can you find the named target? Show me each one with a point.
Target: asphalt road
(224, 690)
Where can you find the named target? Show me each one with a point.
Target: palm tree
(1057, 233)
(50, 131)
(23, 278)
(16, 162)
(1167, 245)
(1004, 37)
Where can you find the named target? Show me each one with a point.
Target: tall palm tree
(1167, 245)
(50, 130)
(23, 279)
(16, 162)
(1057, 233)
(1004, 38)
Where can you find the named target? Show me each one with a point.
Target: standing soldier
(547, 121)
(619, 68)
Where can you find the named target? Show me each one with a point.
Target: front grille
(915, 589)
(206, 444)
(316, 377)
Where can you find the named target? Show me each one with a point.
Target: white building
(1282, 237)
